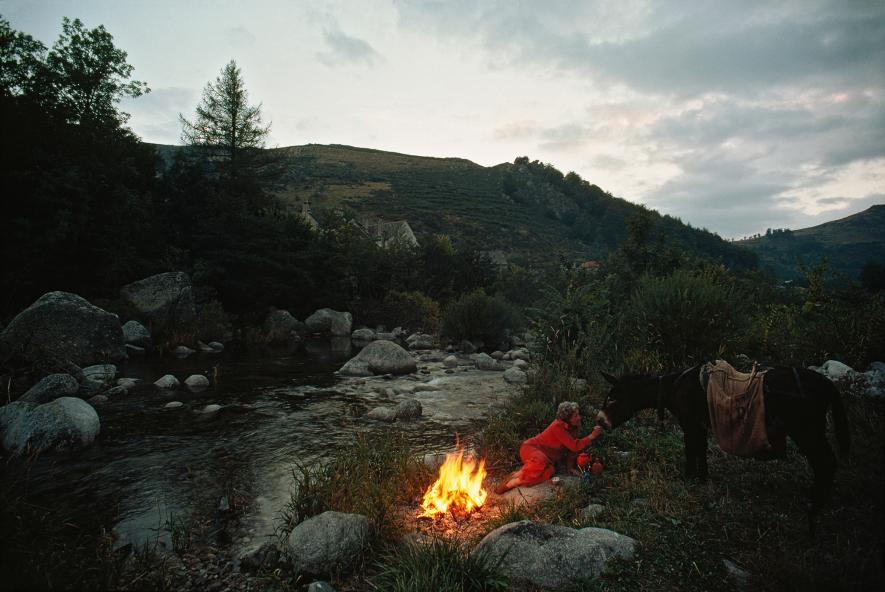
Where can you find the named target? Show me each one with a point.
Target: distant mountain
(847, 243)
(526, 212)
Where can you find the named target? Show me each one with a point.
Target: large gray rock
(380, 357)
(327, 543)
(197, 382)
(103, 374)
(134, 333)
(487, 362)
(167, 382)
(65, 423)
(550, 556)
(165, 298)
(363, 335)
(61, 327)
(279, 325)
(50, 388)
(515, 376)
(419, 341)
(326, 320)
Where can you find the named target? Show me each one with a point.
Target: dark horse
(796, 403)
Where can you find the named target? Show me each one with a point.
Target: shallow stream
(152, 465)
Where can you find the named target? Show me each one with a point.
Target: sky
(733, 116)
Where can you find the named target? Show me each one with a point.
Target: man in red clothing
(540, 454)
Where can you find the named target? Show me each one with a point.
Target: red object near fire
(584, 459)
(596, 468)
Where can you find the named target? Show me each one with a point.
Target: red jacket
(556, 439)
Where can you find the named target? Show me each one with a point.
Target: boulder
(98, 399)
(279, 325)
(117, 390)
(363, 335)
(50, 388)
(419, 341)
(197, 382)
(450, 362)
(101, 373)
(217, 346)
(467, 347)
(134, 333)
(165, 298)
(211, 408)
(380, 357)
(65, 423)
(382, 414)
(497, 354)
(875, 378)
(173, 405)
(320, 586)
(519, 354)
(515, 376)
(128, 383)
(182, 351)
(205, 348)
(521, 364)
(327, 543)
(552, 557)
(326, 320)
(266, 556)
(60, 327)
(408, 409)
(486, 362)
(167, 382)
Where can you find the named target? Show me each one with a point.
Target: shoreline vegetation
(92, 211)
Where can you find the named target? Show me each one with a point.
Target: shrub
(477, 316)
(412, 310)
(441, 565)
(372, 477)
(685, 317)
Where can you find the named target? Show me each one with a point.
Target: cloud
(155, 115)
(517, 130)
(346, 49)
(673, 47)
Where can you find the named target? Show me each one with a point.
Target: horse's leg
(816, 448)
(695, 438)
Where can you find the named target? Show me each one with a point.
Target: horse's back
(800, 383)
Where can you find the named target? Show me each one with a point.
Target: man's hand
(597, 431)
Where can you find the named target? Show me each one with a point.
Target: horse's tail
(840, 421)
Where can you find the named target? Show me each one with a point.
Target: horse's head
(621, 402)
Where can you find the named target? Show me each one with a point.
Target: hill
(848, 244)
(529, 211)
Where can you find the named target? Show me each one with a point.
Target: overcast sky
(734, 116)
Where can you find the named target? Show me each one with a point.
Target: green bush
(412, 310)
(477, 316)
(685, 317)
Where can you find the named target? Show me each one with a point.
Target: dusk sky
(734, 116)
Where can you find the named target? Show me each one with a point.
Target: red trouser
(536, 466)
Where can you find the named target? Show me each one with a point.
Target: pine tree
(226, 124)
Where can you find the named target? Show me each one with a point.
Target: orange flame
(459, 486)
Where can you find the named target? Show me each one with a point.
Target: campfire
(458, 488)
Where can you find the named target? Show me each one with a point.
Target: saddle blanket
(737, 409)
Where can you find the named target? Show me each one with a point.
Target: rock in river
(380, 357)
(60, 327)
(65, 423)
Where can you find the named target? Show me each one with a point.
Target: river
(152, 465)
